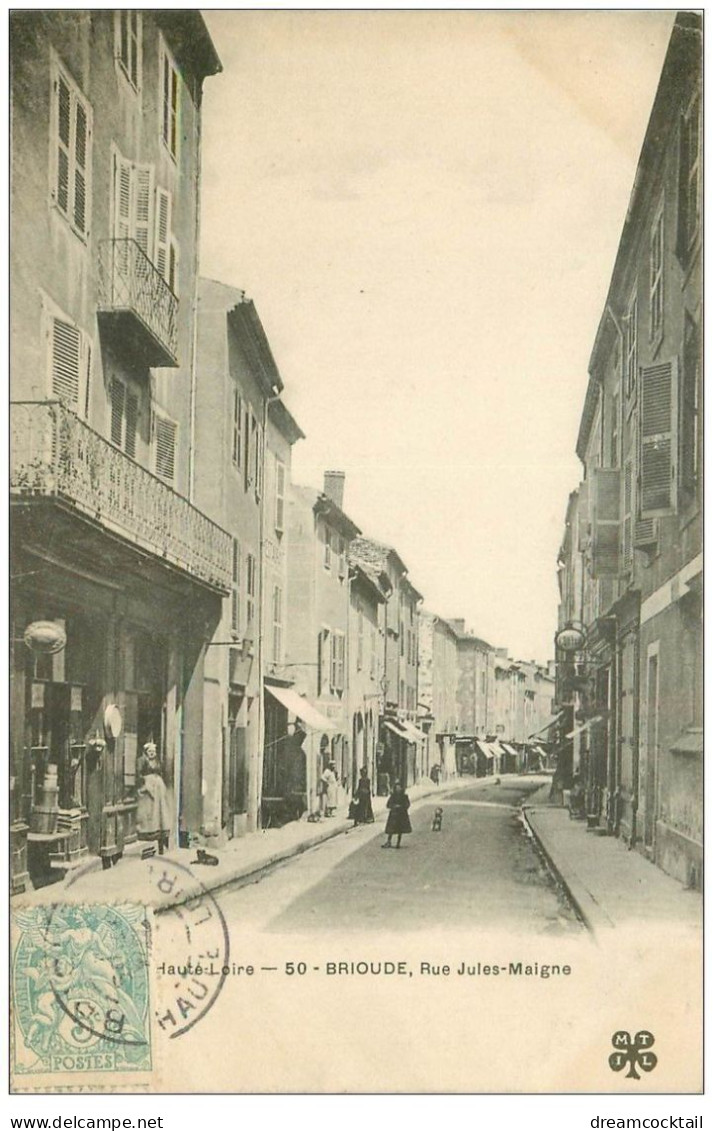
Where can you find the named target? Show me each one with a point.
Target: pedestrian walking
(153, 817)
(328, 789)
(398, 821)
(363, 812)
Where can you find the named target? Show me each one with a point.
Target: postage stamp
(81, 989)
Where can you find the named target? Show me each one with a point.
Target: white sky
(425, 208)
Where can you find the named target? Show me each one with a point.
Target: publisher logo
(634, 1052)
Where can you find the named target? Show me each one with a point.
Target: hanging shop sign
(112, 721)
(570, 639)
(45, 637)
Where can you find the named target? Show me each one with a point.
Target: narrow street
(480, 871)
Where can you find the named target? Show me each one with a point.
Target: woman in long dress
(398, 821)
(153, 817)
(364, 814)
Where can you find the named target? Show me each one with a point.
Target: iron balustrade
(129, 281)
(55, 454)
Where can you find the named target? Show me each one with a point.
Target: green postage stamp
(80, 989)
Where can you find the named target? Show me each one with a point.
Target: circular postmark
(190, 949)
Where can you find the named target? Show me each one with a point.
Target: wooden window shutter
(690, 408)
(235, 601)
(117, 394)
(174, 263)
(131, 423)
(142, 218)
(122, 197)
(66, 361)
(606, 487)
(627, 545)
(166, 432)
(64, 120)
(237, 420)
(659, 385)
(81, 139)
(163, 233)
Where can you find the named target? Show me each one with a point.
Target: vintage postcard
(356, 551)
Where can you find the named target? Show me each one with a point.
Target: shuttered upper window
(690, 455)
(124, 404)
(689, 190)
(235, 590)
(605, 501)
(659, 385)
(279, 496)
(69, 355)
(656, 281)
(165, 443)
(128, 34)
(631, 345)
(169, 88)
(71, 154)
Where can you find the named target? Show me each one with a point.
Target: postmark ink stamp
(80, 989)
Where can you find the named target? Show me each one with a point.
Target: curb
(249, 872)
(592, 915)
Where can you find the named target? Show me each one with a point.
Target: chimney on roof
(334, 487)
(458, 624)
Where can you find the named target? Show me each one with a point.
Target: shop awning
(509, 749)
(298, 706)
(585, 726)
(550, 723)
(395, 728)
(413, 734)
(540, 751)
(484, 749)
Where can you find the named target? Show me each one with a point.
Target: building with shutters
(368, 591)
(402, 752)
(630, 564)
(313, 696)
(244, 436)
(107, 542)
(438, 686)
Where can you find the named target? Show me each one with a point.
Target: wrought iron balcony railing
(54, 454)
(137, 295)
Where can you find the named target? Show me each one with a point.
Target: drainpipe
(256, 783)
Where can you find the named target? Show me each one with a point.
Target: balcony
(136, 302)
(54, 455)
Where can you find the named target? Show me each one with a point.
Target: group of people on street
(361, 810)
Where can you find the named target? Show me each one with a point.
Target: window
(372, 657)
(322, 661)
(276, 624)
(402, 633)
(342, 546)
(327, 547)
(689, 192)
(656, 278)
(360, 638)
(246, 445)
(631, 345)
(168, 93)
(251, 589)
(127, 32)
(165, 437)
(614, 432)
(659, 449)
(237, 439)
(235, 591)
(71, 154)
(124, 406)
(257, 457)
(69, 359)
(690, 455)
(337, 653)
(134, 205)
(279, 496)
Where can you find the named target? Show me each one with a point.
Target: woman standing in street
(153, 818)
(398, 821)
(364, 814)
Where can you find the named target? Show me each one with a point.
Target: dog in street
(437, 822)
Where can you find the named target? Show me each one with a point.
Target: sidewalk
(241, 861)
(611, 885)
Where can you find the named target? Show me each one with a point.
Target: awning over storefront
(550, 723)
(484, 749)
(509, 749)
(413, 734)
(395, 728)
(585, 726)
(298, 706)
